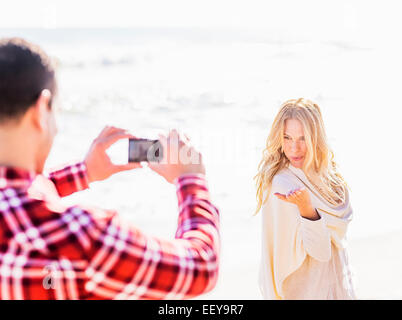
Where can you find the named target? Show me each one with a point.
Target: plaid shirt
(48, 251)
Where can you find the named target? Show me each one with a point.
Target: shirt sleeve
(70, 179)
(125, 263)
(316, 238)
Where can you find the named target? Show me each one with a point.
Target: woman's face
(294, 145)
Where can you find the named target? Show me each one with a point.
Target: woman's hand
(98, 163)
(301, 198)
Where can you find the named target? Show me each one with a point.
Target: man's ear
(40, 110)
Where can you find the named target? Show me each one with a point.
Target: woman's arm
(315, 236)
(301, 198)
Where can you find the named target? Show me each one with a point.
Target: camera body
(144, 150)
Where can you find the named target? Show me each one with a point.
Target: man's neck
(16, 148)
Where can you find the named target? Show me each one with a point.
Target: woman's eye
(287, 138)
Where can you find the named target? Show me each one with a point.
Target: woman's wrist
(309, 212)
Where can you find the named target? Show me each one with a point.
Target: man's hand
(301, 198)
(98, 163)
(179, 157)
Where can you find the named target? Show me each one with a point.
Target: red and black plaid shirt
(48, 251)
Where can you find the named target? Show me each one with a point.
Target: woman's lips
(296, 158)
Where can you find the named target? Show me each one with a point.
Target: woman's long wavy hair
(319, 160)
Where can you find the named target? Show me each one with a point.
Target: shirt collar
(14, 177)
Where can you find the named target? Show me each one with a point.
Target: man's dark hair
(25, 70)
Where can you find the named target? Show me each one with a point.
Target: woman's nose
(295, 146)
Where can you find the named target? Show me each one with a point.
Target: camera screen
(144, 150)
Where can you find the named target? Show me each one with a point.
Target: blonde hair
(319, 160)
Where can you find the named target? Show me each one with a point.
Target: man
(48, 251)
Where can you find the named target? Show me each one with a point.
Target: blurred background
(218, 71)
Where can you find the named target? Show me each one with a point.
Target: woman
(306, 210)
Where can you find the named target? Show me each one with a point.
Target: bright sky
(355, 20)
(189, 13)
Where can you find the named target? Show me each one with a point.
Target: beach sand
(376, 263)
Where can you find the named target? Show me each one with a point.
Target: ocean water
(223, 88)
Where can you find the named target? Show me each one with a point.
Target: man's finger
(110, 130)
(113, 129)
(173, 134)
(104, 130)
(186, 136)
(186, 139)
(108, 141)
(162, 137)
(173, 131)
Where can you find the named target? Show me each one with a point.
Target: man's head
(27, 88)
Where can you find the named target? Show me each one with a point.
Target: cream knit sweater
(301, 258)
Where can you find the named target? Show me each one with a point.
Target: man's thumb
(128, 166)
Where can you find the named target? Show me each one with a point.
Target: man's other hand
(179, 157)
